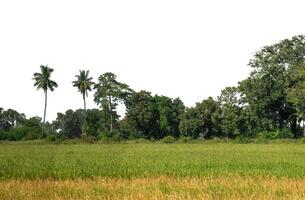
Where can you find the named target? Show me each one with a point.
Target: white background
(188, 49)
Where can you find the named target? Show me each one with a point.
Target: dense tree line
(270, 103)
(15, 126)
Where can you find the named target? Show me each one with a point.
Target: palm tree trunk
(85, 115)
(110, 108)
(84, 98)
(111, 122)
(45, 105)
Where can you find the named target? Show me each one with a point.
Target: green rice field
(170, 171)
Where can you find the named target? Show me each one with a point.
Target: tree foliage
(265, 90)
(110, 92)
(43, 81)
(203, 120)
(270, 103)
(84, 84)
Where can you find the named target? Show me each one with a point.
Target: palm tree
(84, 84)
(43, 81)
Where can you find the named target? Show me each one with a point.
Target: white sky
(188, 49)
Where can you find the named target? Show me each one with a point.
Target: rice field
(157, 188)
(152, 171)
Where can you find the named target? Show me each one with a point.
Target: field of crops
(152, 171)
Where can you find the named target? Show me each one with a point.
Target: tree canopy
(269, 103)
(43, 81)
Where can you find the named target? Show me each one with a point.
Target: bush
(13, 134)
(16, 134)
(302, 140)
(285, 133)
(110, 137)
(55, 137)
(51, 137)
(242, 140)
(3, 135)
(142, 140)
(104, 135)
(88, 139)
(32, 135)
(116, 137)
(277, 134)
(168, 139)
(184, 139)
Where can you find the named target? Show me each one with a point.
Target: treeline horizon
(270, 104)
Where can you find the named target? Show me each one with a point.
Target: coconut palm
(43, 81)
(83, 84)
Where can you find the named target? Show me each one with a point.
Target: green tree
(210, 114)
(152, 116)
(43, 81)
(10, 118)
(70, 123)
(265, 89)
(97, 122)
(230, 111)
(190, 123)
(2, 121)
(169, 111)
(84, 84)
(142, 115)
(296, 91)
(32, 128)
(110, 92)
(203, 120)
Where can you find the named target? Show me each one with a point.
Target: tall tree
(296, 91)
(143, 116)
(110, 92)
(169, 111)
(70, 123)
(84, 84)
(153, 116)
(265, 89)
(97, 122)
(43, 81)
(10, 118)
(230, 111)
(203, 120)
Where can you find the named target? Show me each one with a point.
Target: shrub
(242, 140)
(110, 137)
(285, 133)
(277, 134)
(16, 134)
(168, 139)
(32, 135)
(88, 139)
(302, 140)
(142, 140)
(184, 139)
(55, 137)
(104, 135)
(3, 135)
(116, 137)
(51, 137)
(29, 129)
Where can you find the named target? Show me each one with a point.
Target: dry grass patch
(164, 187)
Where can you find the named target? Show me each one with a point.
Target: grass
(26, 161)
(158, 188)
(152, 170)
